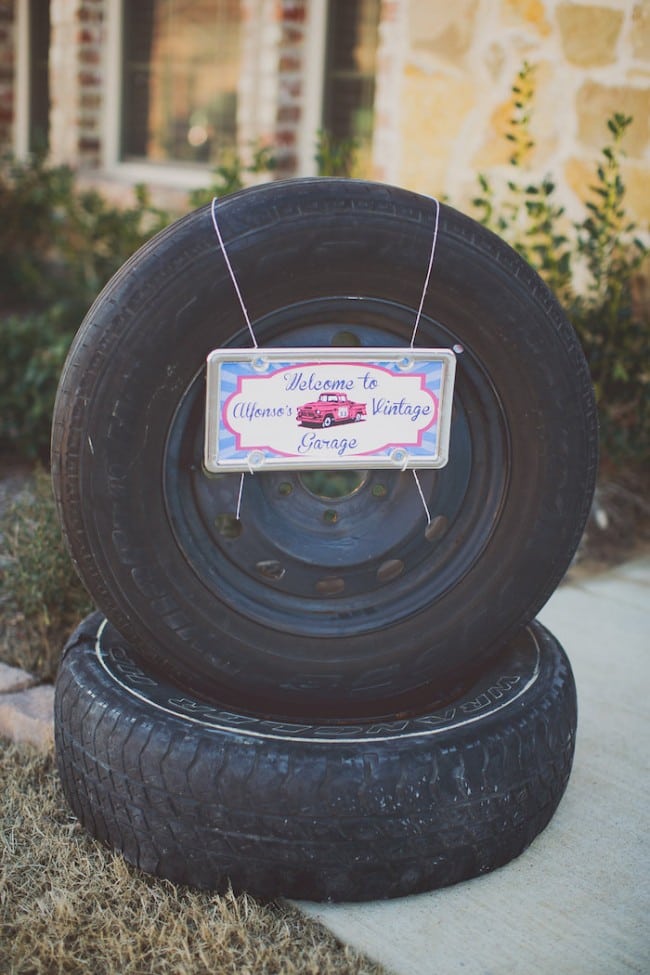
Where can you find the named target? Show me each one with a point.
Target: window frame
(314, 80)
(192, 176)
(178, 175)
(333, 73)
(21, 81)
(23, 75)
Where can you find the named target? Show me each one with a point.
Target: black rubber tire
(308, 606)
(204, 796)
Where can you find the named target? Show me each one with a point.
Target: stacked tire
(326, 695)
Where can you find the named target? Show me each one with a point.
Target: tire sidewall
(366, 811)
(129, 394)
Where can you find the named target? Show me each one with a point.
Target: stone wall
(443, 93)
(454, 65)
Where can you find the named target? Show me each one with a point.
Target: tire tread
(310, 820)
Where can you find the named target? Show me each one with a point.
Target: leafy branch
(604, 249)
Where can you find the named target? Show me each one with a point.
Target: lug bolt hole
(330, 586)
(436, 529)
(389, 570)
(379, 491)
(330, 517)
(271, 569)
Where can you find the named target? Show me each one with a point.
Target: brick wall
(443, 93)
(291, 83)
(91, 39)
(76, 52)
(270, 92)
(258, 85)
(7, 59)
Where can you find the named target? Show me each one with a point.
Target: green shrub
(613, 329)
(33, 348)
(603, 252)
(58, 247)
(336, 157)
(33, 201)
(42, 597)
(60, 243)
(233, 174)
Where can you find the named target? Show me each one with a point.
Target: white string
(415, 328)
(254, 340)
(245, 313)
(241, 491)
(230, 270)
(426, 280)
(421, 493)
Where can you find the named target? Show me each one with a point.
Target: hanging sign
(322, 408)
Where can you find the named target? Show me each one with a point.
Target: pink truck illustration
(330, 408)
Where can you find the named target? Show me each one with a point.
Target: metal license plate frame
(401, 390)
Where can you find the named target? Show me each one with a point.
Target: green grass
(70, 906)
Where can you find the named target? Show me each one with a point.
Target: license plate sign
(281, 409)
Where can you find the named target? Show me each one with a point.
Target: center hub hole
(333, 485)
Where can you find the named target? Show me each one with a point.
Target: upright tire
(204, 796)
(310, 604)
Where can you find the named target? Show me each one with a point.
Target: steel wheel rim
(340, 567)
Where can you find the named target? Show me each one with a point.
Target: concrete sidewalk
(578, 901)
(25, 708)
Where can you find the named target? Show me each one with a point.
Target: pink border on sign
(304, 365)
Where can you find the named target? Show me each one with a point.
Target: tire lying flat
(292, 611)
(204, 796)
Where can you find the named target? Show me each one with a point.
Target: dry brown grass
(41, 597)
(67, 905)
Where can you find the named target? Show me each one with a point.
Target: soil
(618, 527)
